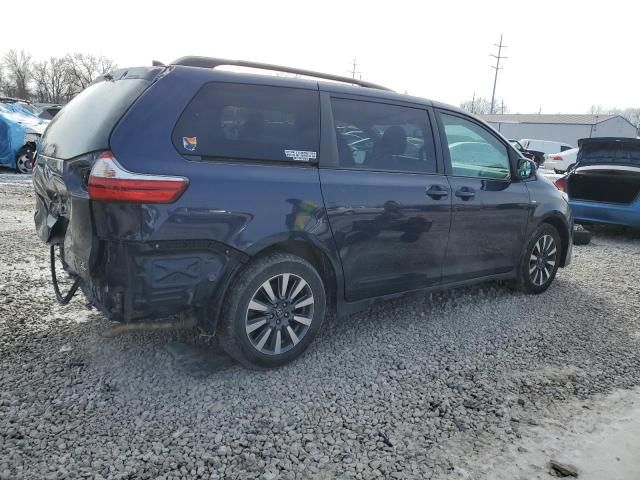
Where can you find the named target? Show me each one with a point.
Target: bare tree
(633, 115)
(52, 80)
(17, 67)
(41, 81)
(85, 68)
(481, 106)
(2, 81)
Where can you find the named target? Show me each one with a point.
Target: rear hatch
(607, 170)
(71, 144)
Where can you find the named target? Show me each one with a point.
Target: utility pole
(354, 71)
(496, 68)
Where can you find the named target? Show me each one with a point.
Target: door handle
(465, 193)
(437, 192)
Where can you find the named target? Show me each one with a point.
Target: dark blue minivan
(256, 203)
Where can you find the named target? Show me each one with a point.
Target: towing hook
(62, 300)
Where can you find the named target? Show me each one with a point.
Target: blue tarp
(15, 121)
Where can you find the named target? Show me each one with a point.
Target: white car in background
(545, 146)
(560, 162)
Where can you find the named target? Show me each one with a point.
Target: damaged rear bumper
(142, 280)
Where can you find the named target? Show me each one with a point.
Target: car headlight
(31, 137)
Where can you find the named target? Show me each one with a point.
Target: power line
(496, 68)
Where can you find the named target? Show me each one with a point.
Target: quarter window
(378, 136)
(474, 151)
(255, 122)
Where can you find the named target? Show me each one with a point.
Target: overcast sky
(564, 56)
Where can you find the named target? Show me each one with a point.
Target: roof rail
(210, 62)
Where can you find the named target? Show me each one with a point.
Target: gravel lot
(435, 387)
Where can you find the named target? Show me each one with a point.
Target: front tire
(24, 160)
(540, 262)
(273, 312)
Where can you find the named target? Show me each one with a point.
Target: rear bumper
(145, 280)
(608, 213)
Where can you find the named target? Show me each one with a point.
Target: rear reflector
(110, 182)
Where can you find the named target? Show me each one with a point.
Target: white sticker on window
(300, 155)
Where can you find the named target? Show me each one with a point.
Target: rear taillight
(555, 157)
(110, 182)
(561, 183)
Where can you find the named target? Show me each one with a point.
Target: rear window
(250, 122)
(85, 124)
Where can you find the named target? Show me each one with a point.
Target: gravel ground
(425, 388)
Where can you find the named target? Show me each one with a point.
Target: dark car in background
(604, 184)
(256, 202)
(537, 157)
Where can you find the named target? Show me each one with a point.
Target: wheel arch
(302, 247)
(557, 221)
(313, 254)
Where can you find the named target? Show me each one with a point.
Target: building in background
(560, 128)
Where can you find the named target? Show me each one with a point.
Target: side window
(378, 136)
(255, 122)
(474, 151)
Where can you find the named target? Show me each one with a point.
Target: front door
(388, 206)
(489, 209)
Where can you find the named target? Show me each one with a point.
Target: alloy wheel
(542, 260)
(279, 314)
(24, 163)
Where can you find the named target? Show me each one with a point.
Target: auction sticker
(300, 155)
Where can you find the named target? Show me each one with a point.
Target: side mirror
(526, 168)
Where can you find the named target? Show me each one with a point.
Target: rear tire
(540, 262)
(273, 312)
